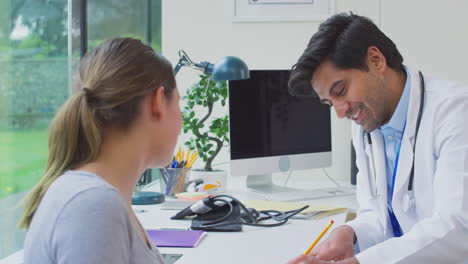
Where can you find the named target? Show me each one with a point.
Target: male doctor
(410, 132)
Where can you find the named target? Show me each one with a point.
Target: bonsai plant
(209, 133)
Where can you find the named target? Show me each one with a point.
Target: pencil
(319, 237)
(181, 154)
(178, 156)
(192, 160)
(188, 155)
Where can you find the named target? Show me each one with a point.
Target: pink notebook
(176, 238)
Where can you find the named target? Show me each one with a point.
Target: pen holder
(173, 180)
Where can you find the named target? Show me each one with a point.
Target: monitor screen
(266, 121)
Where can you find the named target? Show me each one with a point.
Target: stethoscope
(369, 140)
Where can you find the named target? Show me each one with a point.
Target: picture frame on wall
(282, 10)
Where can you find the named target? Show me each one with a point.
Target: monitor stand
(263, 184)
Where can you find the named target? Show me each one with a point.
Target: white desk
(253, 244)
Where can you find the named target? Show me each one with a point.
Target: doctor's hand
(309, 259)
(338, 246)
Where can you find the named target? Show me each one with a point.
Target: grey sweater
(83, 219)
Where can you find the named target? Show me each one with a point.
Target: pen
(319, 237)
(182, 164)
(174, 164)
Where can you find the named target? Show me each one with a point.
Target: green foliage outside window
(34, 73)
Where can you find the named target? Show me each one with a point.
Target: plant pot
(214, 182)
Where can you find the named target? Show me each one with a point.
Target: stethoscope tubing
(418, 122)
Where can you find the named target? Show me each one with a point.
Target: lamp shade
(229, 68)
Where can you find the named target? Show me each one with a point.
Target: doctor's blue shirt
(393, 133)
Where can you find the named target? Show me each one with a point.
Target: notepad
(314, 210)
(176, 238)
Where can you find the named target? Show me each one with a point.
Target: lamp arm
(179, 65)
(184, 60)
(206, 67)
(229, 68)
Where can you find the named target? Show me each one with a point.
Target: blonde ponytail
(113, 80)
(74, 140)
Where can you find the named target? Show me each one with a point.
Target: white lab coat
(434, 216)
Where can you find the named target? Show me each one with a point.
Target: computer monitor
(273, 131)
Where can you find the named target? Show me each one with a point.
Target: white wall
(430, 34)
(204, 29)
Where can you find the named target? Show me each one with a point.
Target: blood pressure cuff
(231, 224)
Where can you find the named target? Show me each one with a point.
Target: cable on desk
(331, 178)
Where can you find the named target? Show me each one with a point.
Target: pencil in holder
(173, 180)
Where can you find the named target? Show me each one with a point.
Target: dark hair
(344, 39)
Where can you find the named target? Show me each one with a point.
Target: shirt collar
(398, 120)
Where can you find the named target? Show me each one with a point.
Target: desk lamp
(228, 68)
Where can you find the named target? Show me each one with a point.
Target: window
(124, 18)
(34, 82)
